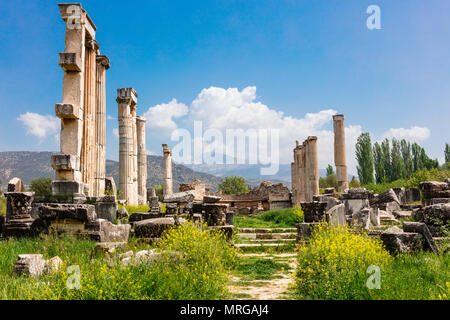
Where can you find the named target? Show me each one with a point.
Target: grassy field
(281, 218)
(203, 263)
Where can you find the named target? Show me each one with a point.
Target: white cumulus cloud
(40, 125)
(161, 115)
(414, 133)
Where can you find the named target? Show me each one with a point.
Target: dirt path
(273, 289)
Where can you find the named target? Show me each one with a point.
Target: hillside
(31, 165)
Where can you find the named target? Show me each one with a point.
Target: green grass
(200, 271)
(2, 206)
(256, 268)
(281, 218)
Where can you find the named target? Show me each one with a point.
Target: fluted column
(167, 171)
(142, 160)
(307, 167)
(340, 160)
(100, 127)
(127, 99)
(313, 167)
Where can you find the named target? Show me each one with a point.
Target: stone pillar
(88, 145)
(339, 152)
(306, 174)
(100, 127)
(301, 178)
(167, 171)
(142, 160)
(127, 99)
(80, 31)
(313, 167)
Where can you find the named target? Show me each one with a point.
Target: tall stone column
(142, 160)
(340, 160)
(100, 126)
(306, 171)
(88, 146)
(80, 31)
(301, 178)
(167, 171)
(313, 167)
(127, 99)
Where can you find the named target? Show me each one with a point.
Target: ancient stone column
(127, 99)
(80, 31)
(306, 170)
(301, 178)
(100, 127)
(142, 160)
(313, 167)
(167, 171)
(339, 152)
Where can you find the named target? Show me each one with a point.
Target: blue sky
(295, 57)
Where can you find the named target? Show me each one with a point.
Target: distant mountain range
(31, 165)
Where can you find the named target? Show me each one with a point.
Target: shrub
(2, 206)
(233, 185)
(139, 208)
(334, 264)
(280, 218)
(41, 186)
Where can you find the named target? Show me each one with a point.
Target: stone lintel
(127, 95)
(104, 61)
(61, 161)
(70, 62)
(67, 111)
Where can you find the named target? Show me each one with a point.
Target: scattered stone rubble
(35, 265)
(374, 213)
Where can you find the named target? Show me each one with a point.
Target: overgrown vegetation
(434, 174)
(197, 269)
(257, 268)
(233, 185)
(280, 218)
(335, 266)
(42, 187)
(2, 206)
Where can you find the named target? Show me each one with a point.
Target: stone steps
(267, 230)
(270, 241)
(252, 235)
(255, 246)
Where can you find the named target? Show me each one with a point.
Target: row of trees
(391, 160)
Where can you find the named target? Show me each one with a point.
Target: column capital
(141, 119)
(104, 61)
(127, 95)
(338, 117)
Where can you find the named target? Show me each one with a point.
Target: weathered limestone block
(62, 161)
(438, 201)
(397, 241)
(32, 264)
(53, 265)
(65, 188)
(229, 218)
(355, 205)
(211, 199)
(356, 193)
(106, 208)
(70, 61)
(15, 185)
(67, 111)
(139, 216)
(305, 230)
(102, 230)
(375, 218)
(314, 211)
(215, 213)
(336, 215)
(225, 230)
(401, 195)
(57, 211)
(420, 227)
(171, 208)
(153, 228)
(361, 219)
(434, 217)
(412, 195)
(180, 197)
(331, 201)
(122, 213)
(18, 221)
